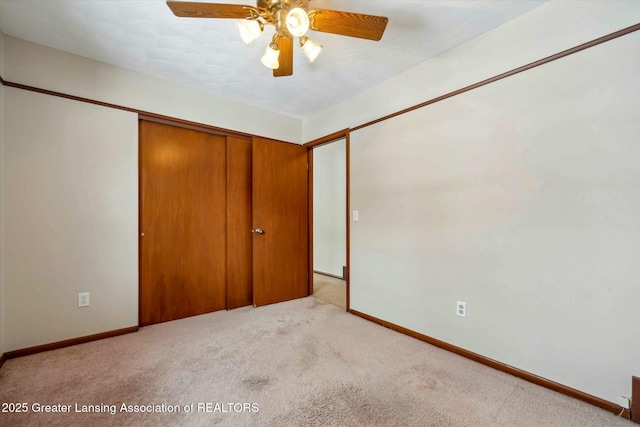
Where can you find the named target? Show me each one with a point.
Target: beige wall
(52, 69)
(2, 36)
(2, 304)
(71, 218)
(546, 30)
(521, 199)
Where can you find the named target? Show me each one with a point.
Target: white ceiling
(145, 36)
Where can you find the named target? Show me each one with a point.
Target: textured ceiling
(208, 54)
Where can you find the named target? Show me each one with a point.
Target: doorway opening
(329, 222)
(332, 290)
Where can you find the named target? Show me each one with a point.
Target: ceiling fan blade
(285, 44)
(189, 9)
(348, 24)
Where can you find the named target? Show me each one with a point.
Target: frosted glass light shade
(250, 29)
(310, 48)
(270, 57)
(297, 22)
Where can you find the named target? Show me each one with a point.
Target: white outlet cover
(83, 299)
(461, 308)
(624, 402)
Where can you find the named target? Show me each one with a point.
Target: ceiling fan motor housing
(274, 5)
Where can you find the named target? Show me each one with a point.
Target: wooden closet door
(239, 278)
(280, 211)
(182, 222)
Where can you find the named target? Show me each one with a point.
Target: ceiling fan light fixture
(250, 29)
(270, 57)
(297, 22)
(310, 48)
(291, 19)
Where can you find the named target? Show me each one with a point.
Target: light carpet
(330, 290)
(302, 363)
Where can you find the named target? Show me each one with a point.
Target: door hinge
(307, 166)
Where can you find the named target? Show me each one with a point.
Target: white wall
(546, 30)
(35, 65)
(329, 208)
(2, 305)
(520, 198)
(71, 209)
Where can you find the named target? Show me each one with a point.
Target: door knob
(258, 230)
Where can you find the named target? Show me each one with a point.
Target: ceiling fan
(291, 18)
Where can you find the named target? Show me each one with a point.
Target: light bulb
(310, 48)
(297, 22)
(250, 29)
(270, 57)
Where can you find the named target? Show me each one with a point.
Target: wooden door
(280, 210)
(239, 241)
(182, 222)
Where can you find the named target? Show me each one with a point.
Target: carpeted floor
(330, 290)
(298, 363)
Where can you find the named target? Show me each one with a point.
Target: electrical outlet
(461, 309)
(83, 299)
(625, 402)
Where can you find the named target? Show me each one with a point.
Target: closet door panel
(239, 277)
(183, 213)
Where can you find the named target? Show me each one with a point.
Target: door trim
(327, 139)
(310, 194)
